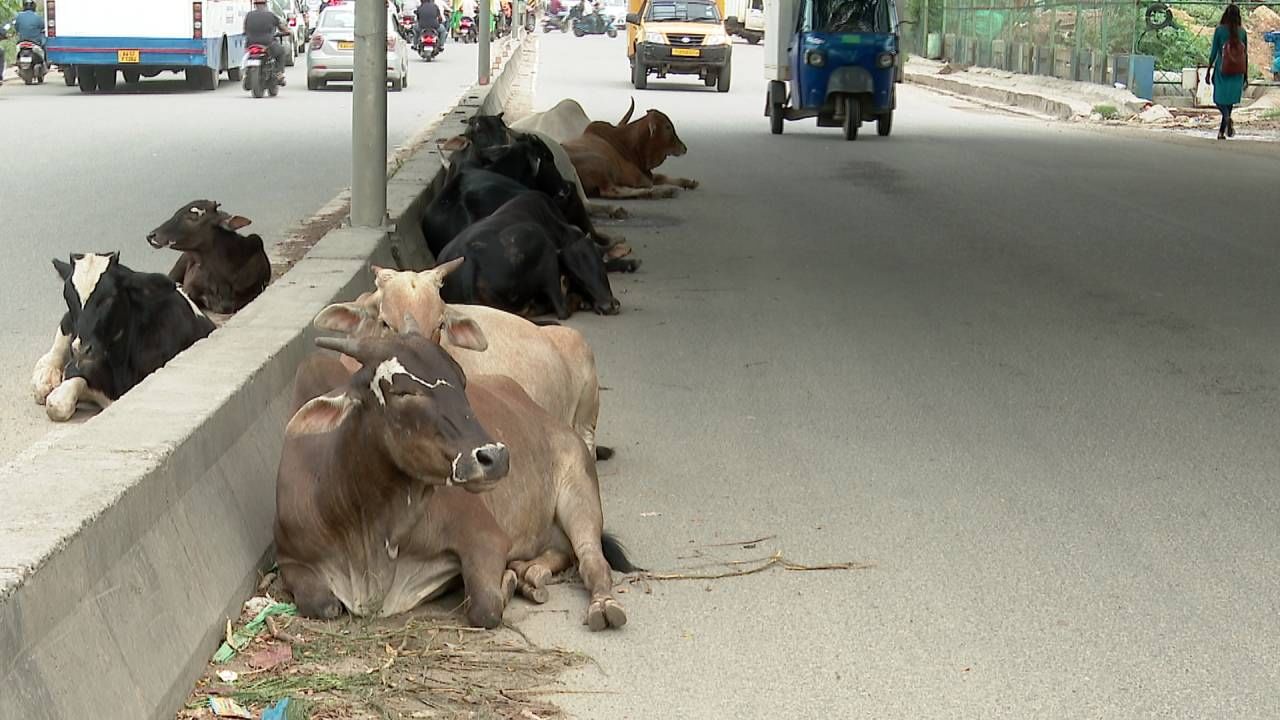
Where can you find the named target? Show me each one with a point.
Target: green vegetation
(1175, 48)
(1108, 112)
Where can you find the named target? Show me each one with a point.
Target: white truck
(745, 18)
(94, 40)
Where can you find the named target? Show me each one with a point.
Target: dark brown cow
(366, 523)
(617, 161)
(220, 270)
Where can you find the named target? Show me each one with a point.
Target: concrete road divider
(127, 541)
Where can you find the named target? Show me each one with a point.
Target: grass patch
(1108, 112)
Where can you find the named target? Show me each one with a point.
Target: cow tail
(616, 555)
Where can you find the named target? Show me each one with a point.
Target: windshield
(684, 11)
(851, 16)
(332, 19)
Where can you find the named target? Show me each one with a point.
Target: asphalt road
(97, 173)
(1027, 370)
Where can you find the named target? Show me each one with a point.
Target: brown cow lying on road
(617, 161)
(221, 270)
(376, 500)
(553, 364)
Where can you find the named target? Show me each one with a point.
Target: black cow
(120, 326)
(220, 269)
(527, 164)
(526, 259)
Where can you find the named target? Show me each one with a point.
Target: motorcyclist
(30, 26)
(428, 14)
(261, 27)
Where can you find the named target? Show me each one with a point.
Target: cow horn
(627, 118)
(346, 346)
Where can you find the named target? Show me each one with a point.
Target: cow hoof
(605, 613)
(43, 381)
(603, 453)
(688, 184)
(60, 404)
(619, 250)
(617, 212)
(664, 193)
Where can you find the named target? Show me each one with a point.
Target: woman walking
(1229, 65)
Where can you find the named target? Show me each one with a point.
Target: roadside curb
(1037, 104)
(127, 542)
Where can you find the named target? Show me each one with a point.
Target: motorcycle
(408, 25)
(557, 21)
(467, 31)
(31, 62)
(594, 24)
(428, 45)
(261, 76)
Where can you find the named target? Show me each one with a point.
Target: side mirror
(633, 18)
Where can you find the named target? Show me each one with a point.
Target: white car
(331, 51)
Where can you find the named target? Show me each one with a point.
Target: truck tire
(202, 78)
(723, 75)
(87, 79)
(639, 75)
(69, 75)
(106, 78)
(131, 77)
(234, 74)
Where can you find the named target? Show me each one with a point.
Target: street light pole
(369, 116)
(483, 70)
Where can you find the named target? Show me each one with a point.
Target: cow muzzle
(154, 241)
(480, 469)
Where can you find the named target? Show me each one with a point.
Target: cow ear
(232, 222)
(63, 268)
(342, 318)
(455, 143)
(321, 415)
(463, 332)
(113, 259)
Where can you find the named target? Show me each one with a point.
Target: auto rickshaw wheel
(852, 116)
(884, 124)
(776, 117)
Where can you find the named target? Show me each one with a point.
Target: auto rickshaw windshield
(684, 11)
(850, 16)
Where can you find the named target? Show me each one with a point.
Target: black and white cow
(120, 326)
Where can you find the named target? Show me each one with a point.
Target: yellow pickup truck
(679, 37)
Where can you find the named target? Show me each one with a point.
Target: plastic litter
(286, 709)
(228, 708)
(228, 676)
(242, 637)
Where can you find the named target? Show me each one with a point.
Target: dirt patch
(424, 664)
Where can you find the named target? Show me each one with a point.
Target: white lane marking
(194, 309)
(88, 271)
(388, 371)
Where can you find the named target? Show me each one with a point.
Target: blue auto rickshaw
(844, 67)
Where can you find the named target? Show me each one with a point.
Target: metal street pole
(483, 74)
(369, 116)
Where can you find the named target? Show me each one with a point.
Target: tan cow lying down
(564, 122)
(413, 474)
(554, 364)
(617, 161)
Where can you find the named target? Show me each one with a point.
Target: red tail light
(51, 19)
(257, 51)
(197, 20)
(317, 42)
(293, 22)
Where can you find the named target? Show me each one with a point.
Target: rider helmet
(29, 5)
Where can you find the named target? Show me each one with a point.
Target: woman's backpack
(1235, 61)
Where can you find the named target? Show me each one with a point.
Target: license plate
(346, 45)
(128, 56)
(25, 61)
(252, 63)
(686, 52)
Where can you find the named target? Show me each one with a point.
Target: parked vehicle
(261, 76)
(841, 61)
(616, 12)
(679, 37)
(745, 19)
(143, 38)
(594, 23)
(331, 52)
(31, 62)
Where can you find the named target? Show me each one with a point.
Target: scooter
(594, 24)
(261, 76)
(467, 31)
(428, 45)
(31, 63)
(558, 21)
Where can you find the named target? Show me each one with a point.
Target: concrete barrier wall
(127, 541)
